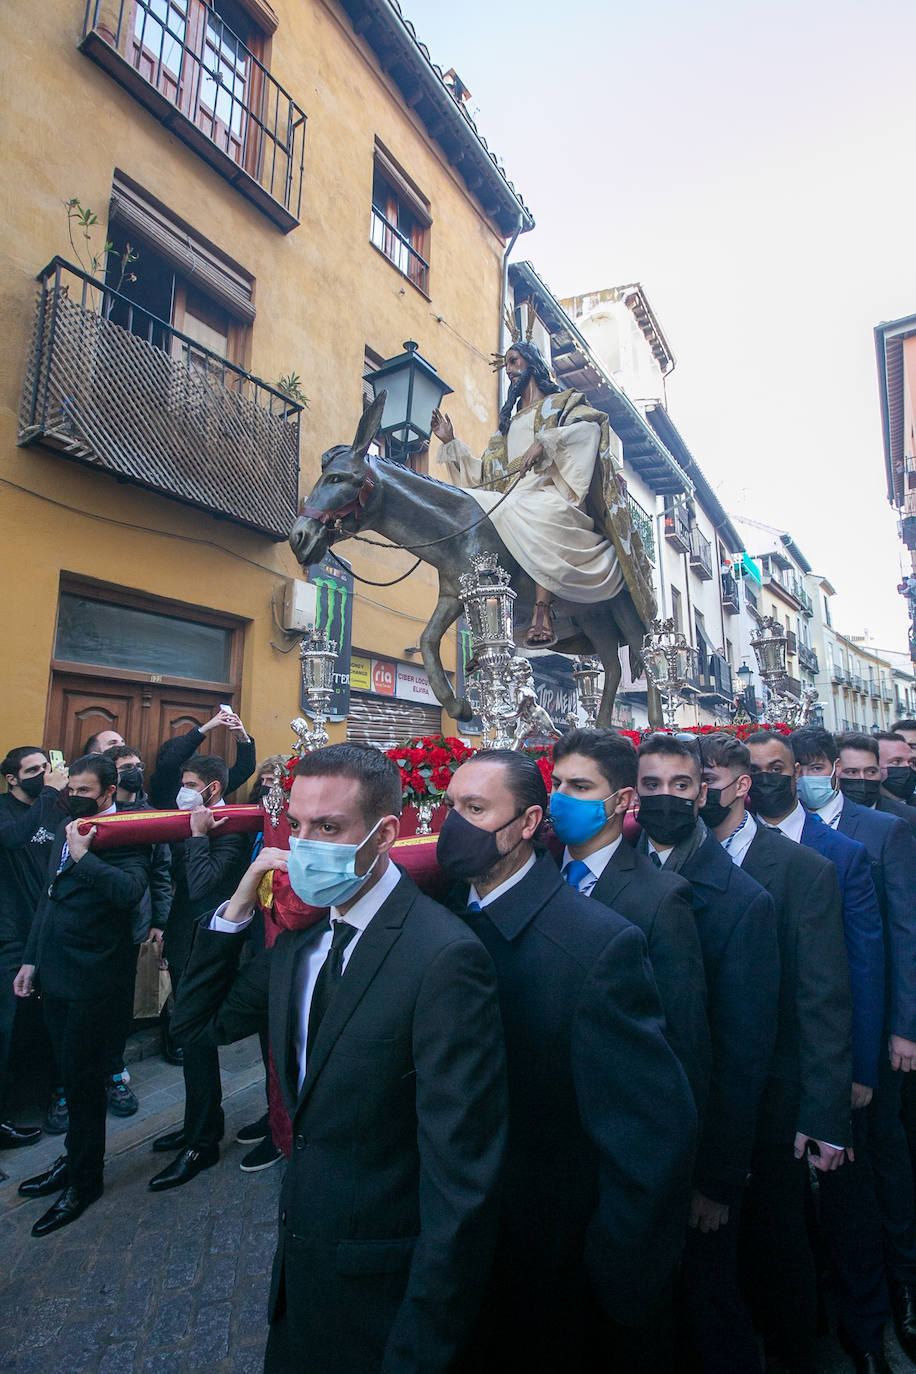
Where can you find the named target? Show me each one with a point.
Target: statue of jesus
(560, 450)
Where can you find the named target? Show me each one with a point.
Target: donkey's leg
(599, 624)
(446, 613)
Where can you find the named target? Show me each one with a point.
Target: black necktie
(653, 855)
(329, 975)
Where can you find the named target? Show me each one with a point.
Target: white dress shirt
(793, 824)
(662, 853)
(739, 841)
(830, 814)
(474, 895)
(596, 864)
(359, 915)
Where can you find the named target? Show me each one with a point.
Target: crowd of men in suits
(634, 1102)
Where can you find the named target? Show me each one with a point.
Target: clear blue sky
(753, 167)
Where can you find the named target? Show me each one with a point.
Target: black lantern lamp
(414, 390)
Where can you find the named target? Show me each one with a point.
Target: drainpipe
(503, 299)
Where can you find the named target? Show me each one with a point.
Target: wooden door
(144, 714)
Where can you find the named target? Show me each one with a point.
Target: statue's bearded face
(518, 370)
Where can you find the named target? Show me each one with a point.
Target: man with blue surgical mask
(594, 784)
(386, 1035)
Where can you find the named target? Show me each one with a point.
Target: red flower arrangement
(427, 764)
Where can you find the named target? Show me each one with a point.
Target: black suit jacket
(813, 1055)
(388, 1210)
(659, 904)
(602, 1121)
(81, 941)
(205, 871)
(736, 921)
(893, 806)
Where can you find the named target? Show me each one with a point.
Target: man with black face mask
(149, 922)
(30, 811)
(602, 1121)
(898, 777)
(737, 928)
(850, 1219)
(81, 953)
(805, 1106)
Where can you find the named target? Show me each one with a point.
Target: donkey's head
(339, 497)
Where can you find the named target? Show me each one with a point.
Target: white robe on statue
(543, 522)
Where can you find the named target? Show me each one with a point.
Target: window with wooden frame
(400, 221)
(180, 280)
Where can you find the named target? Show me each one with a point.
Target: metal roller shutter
(385, 723)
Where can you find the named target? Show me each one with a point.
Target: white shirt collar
(109, 810)
(830, 813)
(597, 862)
(793, 824)
(662, 853)
(363, 910)
(474, 895)
(739, 841)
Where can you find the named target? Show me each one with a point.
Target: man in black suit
(594, 784)
(805, 1108)
(175, 754)
(81, 952)
(737, 930)
(898, 777)
(390, 1056)
(602, 1121)
(206, 868)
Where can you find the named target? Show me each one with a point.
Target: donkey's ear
(367, 428)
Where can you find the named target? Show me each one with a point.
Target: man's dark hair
(767, 737)
(522, 775)
(379, 778)
(92, 744)
(854, 739)
(891, 736)
(720, 750)
(614, 755)
(209, 768)
(659, 743)
(101, 768)
(812, 742)
(121, 751)
(540, 375)
(904, 725)
(14, 758)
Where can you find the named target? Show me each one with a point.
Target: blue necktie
(653, 855)
(473, 906)
(575, 871)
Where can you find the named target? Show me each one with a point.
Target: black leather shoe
(187, 1166)
(12, 1137)
(51, 1181)
(71, 1204)
(167, 1144)
(903, 1306)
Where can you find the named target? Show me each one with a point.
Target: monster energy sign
(334, 615)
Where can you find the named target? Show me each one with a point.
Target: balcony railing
(805, 599)
(887, 692)
(115, 387)
(700, 555)
(794, 686)
(874, 690)
(838, 674)
(188, 67)
(389, 240)
(791, 642)
(730, 602)
(808, 659)
(717, 677)
(677, 529)
(643, 522)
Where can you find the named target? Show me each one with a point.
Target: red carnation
(441, 777)
(417, 782)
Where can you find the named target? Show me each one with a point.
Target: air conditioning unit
(300, 604)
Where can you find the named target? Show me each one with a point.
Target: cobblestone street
(167, 1283)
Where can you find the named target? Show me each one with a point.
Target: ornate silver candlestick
(317, 656)
(769, 645)
(666, 655)
(488, 601)
(587, 674)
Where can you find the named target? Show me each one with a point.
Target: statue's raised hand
(441, 426)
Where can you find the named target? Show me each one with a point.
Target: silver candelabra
(317, 656)
(666, 654)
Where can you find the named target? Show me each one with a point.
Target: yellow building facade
(304, 191)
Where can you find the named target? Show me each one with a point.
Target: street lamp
(742, 715)
(414, 390)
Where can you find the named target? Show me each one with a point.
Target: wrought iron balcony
(700, 555)
(808, 659)
(397, 248)
(838, 674)
(115, 387)
(874, 690)
(794, 686)
(730, 602)
(200, 80)
(643, 522)
(791, 642)
(887, 692)
(807, 604)
(677, 528)
(716, 679)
